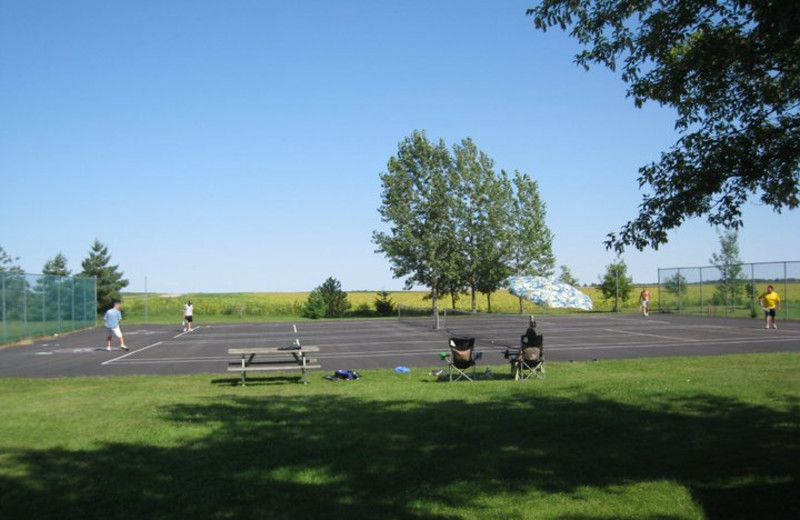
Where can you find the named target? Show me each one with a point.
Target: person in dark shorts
(770, 302)
(188, 316)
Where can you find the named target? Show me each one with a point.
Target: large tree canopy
(416, 202)
(454, 224)
(731, 69)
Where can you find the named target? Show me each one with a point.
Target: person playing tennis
(644, 301)
(188, 316)
(770, 302)
(112, 318)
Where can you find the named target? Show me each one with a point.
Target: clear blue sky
(237, 146)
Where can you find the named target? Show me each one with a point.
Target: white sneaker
(766, 327)
(774, 325)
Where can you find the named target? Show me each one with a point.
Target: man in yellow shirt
(770, 302)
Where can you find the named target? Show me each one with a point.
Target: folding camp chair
(461, 358)
(528, 361)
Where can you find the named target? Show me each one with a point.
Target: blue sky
(237, 146)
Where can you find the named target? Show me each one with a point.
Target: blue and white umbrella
(549, 293)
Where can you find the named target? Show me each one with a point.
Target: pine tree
(314, 307)
(336, 303)
(109, 279)
(56, 266)
(7, 262)
(384, 305)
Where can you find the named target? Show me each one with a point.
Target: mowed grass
(678, 438)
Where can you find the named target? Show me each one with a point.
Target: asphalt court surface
(369, 344)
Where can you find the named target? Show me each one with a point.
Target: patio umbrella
(549, 293)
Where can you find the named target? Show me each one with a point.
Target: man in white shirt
(112, 318)
(188, 313)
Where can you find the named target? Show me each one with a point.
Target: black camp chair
(461, 358)
(528, 361)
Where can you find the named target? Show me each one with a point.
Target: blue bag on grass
(349, 375)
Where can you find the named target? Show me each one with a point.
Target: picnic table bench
(271, 359)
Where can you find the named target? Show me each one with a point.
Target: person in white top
(188, 316)
(112, 317)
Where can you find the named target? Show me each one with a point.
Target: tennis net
(422, 317)
(489, 329)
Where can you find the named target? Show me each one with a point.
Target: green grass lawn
(679, 438)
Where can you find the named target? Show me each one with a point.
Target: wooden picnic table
(272, 359)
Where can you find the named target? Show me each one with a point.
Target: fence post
(3, 305)
(785, 292)
(702, 302)
(658, 290)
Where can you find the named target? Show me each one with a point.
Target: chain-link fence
(729, 290)
(33, 305)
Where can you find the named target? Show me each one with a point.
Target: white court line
(184, 333)
(670, 342)
(344, 355)
(131, 353)
(678, 343)
(312, 341)
(170, 361)
(632, 333)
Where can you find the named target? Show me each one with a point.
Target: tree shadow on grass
(345, 457)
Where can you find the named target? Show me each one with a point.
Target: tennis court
(369, 344)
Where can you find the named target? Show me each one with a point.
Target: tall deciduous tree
(455, 225)
(416, 202)
(567, 277)
(616, 284)
(731, 284)
(109, 278)
(529, 239)
(677, 285)
(731, 70)
(495, 249)
(482, 217)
